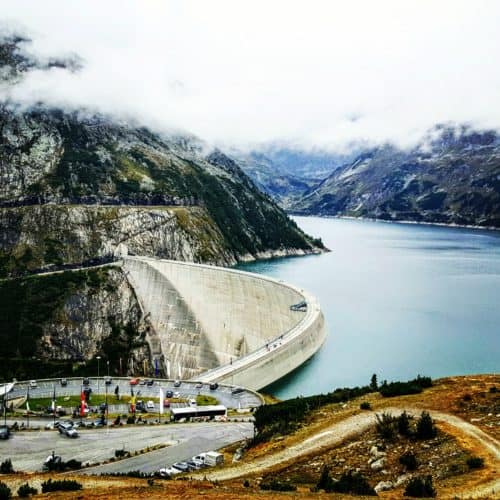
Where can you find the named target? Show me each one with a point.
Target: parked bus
(210, 411)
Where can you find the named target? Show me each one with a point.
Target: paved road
(190, 444)
(187, 390)
(28, 450)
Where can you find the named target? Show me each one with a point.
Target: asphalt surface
(187, 390)
(28, 450)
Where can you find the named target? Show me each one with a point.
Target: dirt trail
(351, 427)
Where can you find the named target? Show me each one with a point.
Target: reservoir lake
(398, 299)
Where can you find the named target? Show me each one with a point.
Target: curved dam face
(217, 324)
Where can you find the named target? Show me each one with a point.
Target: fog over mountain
(246, 74)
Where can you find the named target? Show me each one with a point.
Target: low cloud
(313, 74)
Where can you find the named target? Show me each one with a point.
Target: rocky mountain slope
(453, 177)
(51, 324)
(286, 174)
(77, 186)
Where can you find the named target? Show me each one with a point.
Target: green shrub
(365, 405)
(277, 485)
(61, 485)
(6, 467)
(409, 460)
(414, 386)
(120, 453)
(475, 462)
(72, 464)
(425, 427)
(325, 481)
(404, 424)
(352, 483)
(420, 487)
(5, 491)
(386, 425)
(25, 490)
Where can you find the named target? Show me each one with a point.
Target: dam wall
(218, 324)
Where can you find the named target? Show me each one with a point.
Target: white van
(192, 402)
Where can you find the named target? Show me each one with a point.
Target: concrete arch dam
(217, 324)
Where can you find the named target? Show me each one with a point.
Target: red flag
(82, 404)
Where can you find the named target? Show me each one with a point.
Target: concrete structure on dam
(217, 324)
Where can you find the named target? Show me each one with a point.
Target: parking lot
(28, 450)
(187, 390)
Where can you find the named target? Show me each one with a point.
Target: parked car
(182, 466)
(177, 394)
(103, 407)
(4, 432)
(193, 465)
(169, 394)
(237, 390)
(192, 402)
(166, 403)
(169, 471)
(33, 384)
(199, 385)
(86, 381)
(108, 380)
(67, 429)
(150, 382)
(177, 383)
(134, 381)
(142, 382)
(198, 462)
(214, 386)
(64, 382)
(140, 406)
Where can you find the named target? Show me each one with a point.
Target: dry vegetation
(470, 398)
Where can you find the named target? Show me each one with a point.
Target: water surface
(398, 299)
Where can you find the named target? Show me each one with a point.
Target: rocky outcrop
(50, 322)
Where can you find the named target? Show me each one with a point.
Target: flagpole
(28, 407)
(54, 403)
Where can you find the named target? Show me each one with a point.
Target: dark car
(237, 390)
(64, 382)
(177, 383)
(169, 394)
(142, 382)
(213, 386)
(86, 381)
(140, 406)
(108, 380)
(150, 382)
(4, 432)
(103, 407)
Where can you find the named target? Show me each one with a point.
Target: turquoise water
(399, 300)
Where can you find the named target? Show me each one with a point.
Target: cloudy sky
(241, 73)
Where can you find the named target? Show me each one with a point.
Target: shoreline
(416, 223)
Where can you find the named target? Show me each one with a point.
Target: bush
(409, 460)
(365, 405)
(420, 487)
(120, 453)
(25, 490)
(404, 424)
(325, 481)
(493, 389)
(5, 491)
(414, 386)
(475, 462)
(425, 427)
(386, 425)
(467, 397)
(353, 483)
(6, 467)
(246, 483)
(277, 485)
(72, 464)
(61, 485)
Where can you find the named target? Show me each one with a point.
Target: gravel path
(351, 427)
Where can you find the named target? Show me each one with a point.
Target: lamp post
(98, 361)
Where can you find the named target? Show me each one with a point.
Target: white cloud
(315, 73)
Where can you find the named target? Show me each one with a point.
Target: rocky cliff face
(59, 169)
(49, 324)
(76, 189)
